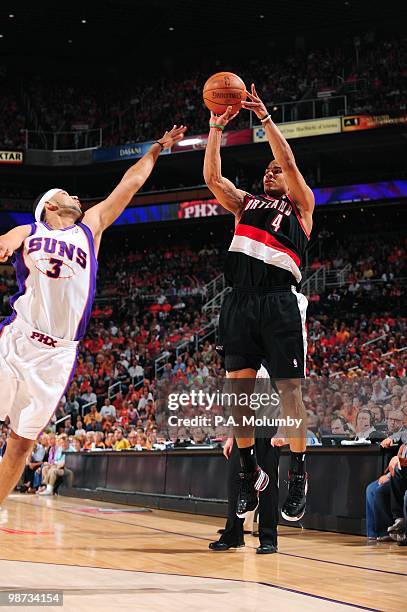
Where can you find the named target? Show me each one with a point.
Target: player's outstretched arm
(229, 196)
(100, 216)
(12, 241)
(299, 190)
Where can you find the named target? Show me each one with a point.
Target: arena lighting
(189, 142)
(171, 29)
(83, 20)
(11, 16)
(1, 35)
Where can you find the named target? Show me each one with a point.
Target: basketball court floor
(107, 556)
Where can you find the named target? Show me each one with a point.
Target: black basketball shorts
(269, 325)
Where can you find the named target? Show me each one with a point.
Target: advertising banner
(192, 209)
(122, 152)
(302, 129)
(353, 123)
(11, 157)
(199, 209)
(365, 192)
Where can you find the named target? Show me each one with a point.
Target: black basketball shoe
(250, 485)
(294, 506)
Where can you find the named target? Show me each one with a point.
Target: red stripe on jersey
(297, 214)
(265, 238)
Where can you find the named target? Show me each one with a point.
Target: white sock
(50, 488)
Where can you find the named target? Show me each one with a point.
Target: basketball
(224, 89)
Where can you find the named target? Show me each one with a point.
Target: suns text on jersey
(52, 246)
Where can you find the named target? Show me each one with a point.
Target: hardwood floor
(103, 555)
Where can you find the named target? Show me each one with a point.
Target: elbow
(211, 180)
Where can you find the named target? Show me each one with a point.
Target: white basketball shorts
(35, 371)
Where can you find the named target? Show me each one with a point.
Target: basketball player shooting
(55, 260)
(264, 315)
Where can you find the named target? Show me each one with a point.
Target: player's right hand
(224, 119)
(5, 251)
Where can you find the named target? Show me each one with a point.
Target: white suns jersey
(56, 276)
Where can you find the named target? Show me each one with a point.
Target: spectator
(92, 415)
(89, 399)
(120, 442)
(378, 509)
(79, 428)
(364, 424)
(108, 409)
(57, 469)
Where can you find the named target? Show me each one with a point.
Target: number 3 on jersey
(277, 222)
(56, 267)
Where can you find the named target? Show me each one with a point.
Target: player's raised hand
(255, 104)
(5, 251)
(173, 136)
(224, 119)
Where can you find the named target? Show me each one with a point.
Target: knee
(289, 390)
(18, 445)
(370, 489)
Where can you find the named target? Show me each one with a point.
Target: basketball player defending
(264, 315)
(55, 260)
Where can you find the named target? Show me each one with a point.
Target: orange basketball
(224, 89)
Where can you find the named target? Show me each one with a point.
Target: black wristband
(159, 143)
(266, 115)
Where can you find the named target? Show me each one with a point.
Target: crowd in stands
(13, 119)
(380, 78)
(370, 72)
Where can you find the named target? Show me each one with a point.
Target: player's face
(274, 181)
(69, 203)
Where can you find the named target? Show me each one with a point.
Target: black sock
(248, 459)
(297, 462)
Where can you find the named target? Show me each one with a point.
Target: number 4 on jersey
(277, 222)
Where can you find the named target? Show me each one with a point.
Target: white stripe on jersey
(56, 274)
(266, 253)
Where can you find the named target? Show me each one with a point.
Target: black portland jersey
(268, 246)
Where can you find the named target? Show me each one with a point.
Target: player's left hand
(255, 104)
(173, 136)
